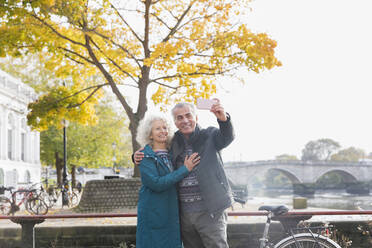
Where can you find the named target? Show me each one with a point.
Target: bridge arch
(346, 176)
(287, 173)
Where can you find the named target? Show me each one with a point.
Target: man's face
(185, 120)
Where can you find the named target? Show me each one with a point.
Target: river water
(326, 199)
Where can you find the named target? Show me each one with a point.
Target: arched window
(23, 140)
(11, 133)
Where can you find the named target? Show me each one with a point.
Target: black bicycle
(297, 236)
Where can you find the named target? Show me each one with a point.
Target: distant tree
(286, 157)
(350, 154)
(90, 146)
(320, 149)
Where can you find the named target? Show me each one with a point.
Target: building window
(23, 140)
(10, 143)
(11, 132)
(23, 146)
(27, 177)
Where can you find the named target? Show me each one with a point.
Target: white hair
(183, 105)
(145, 127)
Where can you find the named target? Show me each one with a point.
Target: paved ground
(250, 206)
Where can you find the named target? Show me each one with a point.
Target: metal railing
(28, 222)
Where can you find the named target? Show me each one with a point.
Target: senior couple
(185, 191)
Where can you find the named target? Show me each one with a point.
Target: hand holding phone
(202, 103)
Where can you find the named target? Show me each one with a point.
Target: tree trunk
(59, 166)
(133, 126)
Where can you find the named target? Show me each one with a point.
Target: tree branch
(86, 99)
(56, 32)
(78, 92)
(161, 21)
(120, 46)
(179, 20)
(110, 80)
(165, 85)
(178, 75)
(130, 28)
(76, 61)
(76, 54)
(114, 63)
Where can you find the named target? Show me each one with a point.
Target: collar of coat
(193, 137)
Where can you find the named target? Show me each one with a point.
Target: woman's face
(159, 132)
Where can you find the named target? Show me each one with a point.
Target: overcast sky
(323, 89)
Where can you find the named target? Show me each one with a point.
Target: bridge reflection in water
(306, 179)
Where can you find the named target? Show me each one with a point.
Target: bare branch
(126, 23)
(114, 63)
(120, 46)
(165, 85)
(161, 21)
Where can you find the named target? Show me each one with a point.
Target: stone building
(19, 145)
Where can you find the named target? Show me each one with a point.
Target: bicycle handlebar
(6, 188)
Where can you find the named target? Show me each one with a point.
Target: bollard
(28, 231)
(299, 203)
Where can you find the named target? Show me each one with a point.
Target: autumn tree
(350, 154)
(320, 149)
(167, 50)
(286, 157)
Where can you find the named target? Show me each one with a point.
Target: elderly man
(204, 194)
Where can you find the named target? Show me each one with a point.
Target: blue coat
(158, 215)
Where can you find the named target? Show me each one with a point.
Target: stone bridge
(299, 172)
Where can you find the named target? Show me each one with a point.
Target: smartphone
(202, 103)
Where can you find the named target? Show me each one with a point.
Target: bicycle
(56, 192)
(32, 201)
(296, 237)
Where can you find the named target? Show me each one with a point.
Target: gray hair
(145, 127)
(183, 105)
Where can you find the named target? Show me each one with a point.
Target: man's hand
(138, 156)
(218, 110)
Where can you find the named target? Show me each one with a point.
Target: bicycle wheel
(36, 205)
(306, 240)
(73, 199)
(47, 199)
(5, 205)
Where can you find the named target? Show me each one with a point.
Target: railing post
(28, 230)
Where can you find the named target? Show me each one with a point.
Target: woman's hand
(138, 156)
(192, 160)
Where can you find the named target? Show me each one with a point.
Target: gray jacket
(213, 183)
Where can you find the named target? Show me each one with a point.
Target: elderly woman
(158, 216)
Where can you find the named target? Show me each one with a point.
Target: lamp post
(65, 201)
